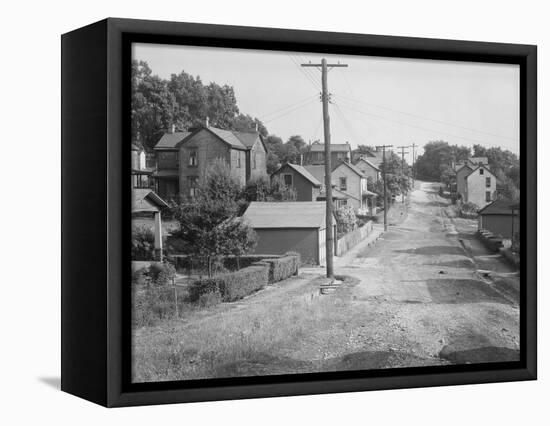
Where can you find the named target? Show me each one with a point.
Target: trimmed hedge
(233, 263)
(282, 267)
(232, 286)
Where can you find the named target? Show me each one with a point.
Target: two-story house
(368, 168)
(183, 157)
(481, 186)
(166, 175)
(338, 152)
(307, 186)
(353, 182)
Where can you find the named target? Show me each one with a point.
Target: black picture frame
(96, 209)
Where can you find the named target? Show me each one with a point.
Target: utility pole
(402, 148)
(385, 185)
(414, 164)
(325, 99)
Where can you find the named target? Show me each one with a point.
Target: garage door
(322, 247)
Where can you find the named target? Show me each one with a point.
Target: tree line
(436, 164)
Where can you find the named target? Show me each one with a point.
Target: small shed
(145, 203)
(501, 217)
(290, 226)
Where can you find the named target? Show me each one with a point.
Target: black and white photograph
(294, 212)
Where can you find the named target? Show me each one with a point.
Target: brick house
(307, 187)
(338, 152)
(182, 158)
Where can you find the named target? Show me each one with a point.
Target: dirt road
(436, 291)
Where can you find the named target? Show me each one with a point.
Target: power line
(290, 110)
(265, 116)
(413, 126)
(306, 75)
(429, 119)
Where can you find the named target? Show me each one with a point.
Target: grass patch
(226, 341)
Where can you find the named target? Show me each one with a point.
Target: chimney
(256, 127)
(173, 128)
(301, 159)
(207, 122)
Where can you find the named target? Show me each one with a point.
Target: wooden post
(158, 236)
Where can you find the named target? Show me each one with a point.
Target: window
(288, 180)
(488, 196)
(193, 181)
(488, 182)
(481, 171)
(343, 184)
(193, 161)
(343, 203)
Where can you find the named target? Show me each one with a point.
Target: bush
(143, 243)
(283, 267)
(161, 273)
(231, 286)
(234, 263)
(346, 221)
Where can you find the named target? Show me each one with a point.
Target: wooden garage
(290, 226)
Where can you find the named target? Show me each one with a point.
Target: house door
(322, 247)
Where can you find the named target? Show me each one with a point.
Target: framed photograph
(256, 212)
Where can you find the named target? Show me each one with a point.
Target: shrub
(346, 220)
(231, 286)
(143, 243)
(283, 267)
(234, 263)
(161, 273)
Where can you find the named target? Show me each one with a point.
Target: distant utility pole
(325, 98)
(414, 164)
(385, 186)
(403, 152)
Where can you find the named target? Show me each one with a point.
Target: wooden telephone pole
(403, 152)
(325, 98)
(385, 185)
(413, 146)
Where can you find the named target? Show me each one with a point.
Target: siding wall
(209, 147)
(476, 188)
(461, 181)
(279, 241)
(305, 191)
(499, 224)
(354, 185)
(368, 170)
(261, 161)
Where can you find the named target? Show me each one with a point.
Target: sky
(374, 101)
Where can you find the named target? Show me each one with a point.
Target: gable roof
(301, 170)
(459, 167)
(225, 135)
(145, 200)
(170, 140)
(336, 195)
(477, 160)
(351, 166)
(480, 167)
(287, 214)
(334, 147)
(368, 162)
(316, 170)
(498, 207)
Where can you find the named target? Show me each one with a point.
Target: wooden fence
(351, 239)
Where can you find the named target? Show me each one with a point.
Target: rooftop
(334, 147)
(499, 207)
(145, 200)
(291, 214)
(170, 140)
(303, 171)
